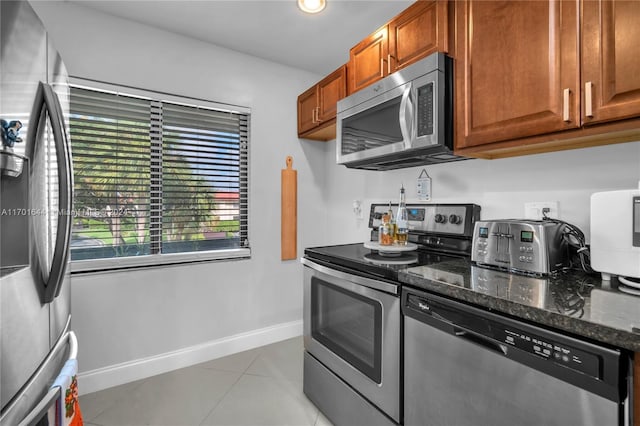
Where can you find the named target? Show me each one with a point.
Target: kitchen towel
(68, 407)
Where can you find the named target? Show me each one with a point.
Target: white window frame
(163, 259)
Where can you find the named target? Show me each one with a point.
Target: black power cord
(579, 253)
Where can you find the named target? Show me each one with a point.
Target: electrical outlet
(540, 209)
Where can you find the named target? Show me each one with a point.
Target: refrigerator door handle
(73, 345)
(40, 379)
(54, 393)
(47, 101)
(39, 411)
(65, 185)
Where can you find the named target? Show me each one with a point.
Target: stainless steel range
(352, 314)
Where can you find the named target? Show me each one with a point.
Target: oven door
(352, 326)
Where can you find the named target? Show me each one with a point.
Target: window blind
(154, 177)
(111, 162)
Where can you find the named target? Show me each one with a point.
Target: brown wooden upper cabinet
(317, 106)
(519, 73)
(418, 31)
(610, 60)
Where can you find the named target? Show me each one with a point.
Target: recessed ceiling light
(312, 6)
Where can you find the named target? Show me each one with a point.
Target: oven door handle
(367, 282)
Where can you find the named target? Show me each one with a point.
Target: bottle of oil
(402, 221)
(392, 224)
(385, 234)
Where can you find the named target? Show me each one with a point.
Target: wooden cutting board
(289, 211)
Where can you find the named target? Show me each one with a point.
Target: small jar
(385, 231)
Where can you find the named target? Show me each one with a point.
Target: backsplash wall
(501, 187)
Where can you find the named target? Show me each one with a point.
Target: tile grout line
(254, 360)
(220, 400)
(229, 390)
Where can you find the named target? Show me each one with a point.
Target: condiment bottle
(385, 236)
(402, 221)
(392, 223)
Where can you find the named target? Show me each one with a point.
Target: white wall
(124, 316)
(500, 187)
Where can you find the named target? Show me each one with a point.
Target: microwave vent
(404, 161)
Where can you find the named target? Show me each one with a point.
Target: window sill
(120, 263)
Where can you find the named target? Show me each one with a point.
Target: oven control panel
(445, 219)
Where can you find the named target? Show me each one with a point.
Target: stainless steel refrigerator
(36, 182)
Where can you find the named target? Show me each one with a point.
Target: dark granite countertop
(570, 301)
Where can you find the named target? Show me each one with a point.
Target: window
(156, 180)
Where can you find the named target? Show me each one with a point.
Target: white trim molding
(119, 374)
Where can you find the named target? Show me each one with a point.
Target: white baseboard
(118, 374)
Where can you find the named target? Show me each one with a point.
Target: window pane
(154, 177)
(110, 148)
(200, 179)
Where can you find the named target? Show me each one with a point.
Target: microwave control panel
(425, 110)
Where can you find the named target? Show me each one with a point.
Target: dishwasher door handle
(481, 340)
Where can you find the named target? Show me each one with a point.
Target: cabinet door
(516, 71)
(330, 90)
(611, 60)
(368, 60)
(307, 104)
(417, 32)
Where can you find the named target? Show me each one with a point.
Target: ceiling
(275, 30)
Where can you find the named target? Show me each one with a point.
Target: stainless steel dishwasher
(468, 366)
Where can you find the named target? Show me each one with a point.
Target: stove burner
(391, 258)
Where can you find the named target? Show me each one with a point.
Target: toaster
(522, 246)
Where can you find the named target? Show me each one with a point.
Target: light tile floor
(258, 387)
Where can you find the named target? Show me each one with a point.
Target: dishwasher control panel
(559, 353)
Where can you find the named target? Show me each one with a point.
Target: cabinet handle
(565, 105)
(381, 66)
(313, 115)
(318, 115)
(389, 63)
(588, 99)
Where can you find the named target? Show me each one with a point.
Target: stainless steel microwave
(404, 120)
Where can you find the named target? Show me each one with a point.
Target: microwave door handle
(406, 107)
